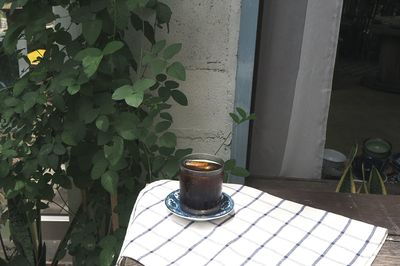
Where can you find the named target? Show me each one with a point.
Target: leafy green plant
(374, 184)
(91, 112)
(239, 116)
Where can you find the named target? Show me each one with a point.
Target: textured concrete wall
(208, 30)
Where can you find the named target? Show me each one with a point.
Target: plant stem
(115, 19)
(68, 211)
(222, 144)
(4, 248)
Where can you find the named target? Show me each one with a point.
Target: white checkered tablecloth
(264, 230)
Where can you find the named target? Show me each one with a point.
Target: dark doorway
(365, 100)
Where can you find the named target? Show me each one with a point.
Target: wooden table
(375, 209)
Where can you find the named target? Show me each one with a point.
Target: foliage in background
(371, 184)
(91, 112)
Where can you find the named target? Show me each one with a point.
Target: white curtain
(294, 80)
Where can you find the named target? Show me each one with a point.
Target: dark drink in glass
(201, 177)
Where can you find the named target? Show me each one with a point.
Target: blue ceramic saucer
(173, 204)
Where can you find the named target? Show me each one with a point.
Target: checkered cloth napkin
(263, 230)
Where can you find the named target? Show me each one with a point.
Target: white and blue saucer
(173, 204)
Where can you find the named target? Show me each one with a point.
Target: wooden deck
(375, 209)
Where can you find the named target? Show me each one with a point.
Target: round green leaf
(229, 165)
(68, 138)
(102, 123)
(126, 125)
(172, 50)
(73, 89)
(162, 126)
(91, 64)
(239, 171)
(166, 116)
(52, 161)
(20, 86)
(91, 30)
(122, 92)
(87, 52)
(168, 140)
(114, 152)
(46, 149)
(109, 181)
(99, 167)
(59, 149)
(135, 99)
(163, 13)
(161, 77)
(171, 168)
(4, 169)
(171, 84)
(112, 47)
(177, 70)
(235, 117)
(157, 66)
(143, 84)
(179, 97)
(158, 46)
(164, 93)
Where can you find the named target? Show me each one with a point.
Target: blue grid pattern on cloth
(263, 230)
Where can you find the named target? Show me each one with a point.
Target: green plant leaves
(93, 52)
(229, 164)
(158, 46)
(112, 47)
(239, 171)
(99, 167)
(126, 125)
(179, 97)
(91, 64)
(73, 89)
(122, 92)
(135, 99)
(162, 126)
(172, 50)
(91, 30)
(376, 184)
(166, 116)
(119, 13)
(113, 153)
(157, 66)
(346, 182)
(68, 138)
(107, 257)
(235, 117)
(177, 70)
(101, 120)
(133, 95)
(143, 84)
(109, 181)
(241, 116)
(59, 149)
(4, 169)
(167, 140)
(20, 86)
(163, 13)
(102, 123)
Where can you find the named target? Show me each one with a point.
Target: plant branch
(4, 248)
(222, 144)
(68, 211)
